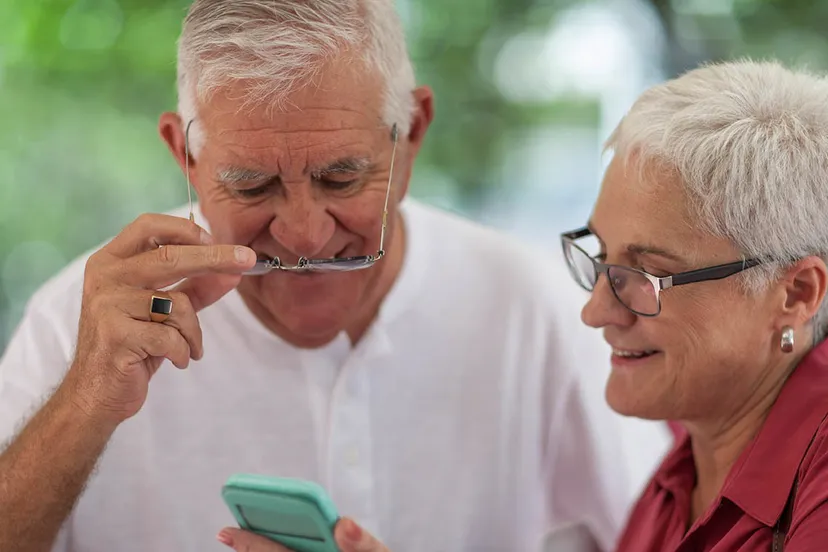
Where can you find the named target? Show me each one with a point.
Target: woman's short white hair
(276, 46)
(749, 141)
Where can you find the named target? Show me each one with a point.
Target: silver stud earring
(787, 344)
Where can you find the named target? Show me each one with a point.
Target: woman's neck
(714, 453)
(718, 443)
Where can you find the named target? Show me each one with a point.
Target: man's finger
(172, 263)
(149, 231)
(136, 304)
(203, 291)
(243, 541)
(158, 341)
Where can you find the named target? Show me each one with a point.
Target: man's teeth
(632, 354)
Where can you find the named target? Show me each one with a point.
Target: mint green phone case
(295, 513)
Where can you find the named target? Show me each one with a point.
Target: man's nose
(302, 225)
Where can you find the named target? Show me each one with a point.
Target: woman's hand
(349, 537)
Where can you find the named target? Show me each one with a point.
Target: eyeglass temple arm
(394, 137)
(187, 162)
(714, 272)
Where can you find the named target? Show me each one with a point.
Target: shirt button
(352, 456)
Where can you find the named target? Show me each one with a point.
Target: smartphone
(295, 513)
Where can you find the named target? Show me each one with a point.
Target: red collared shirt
(755, 492)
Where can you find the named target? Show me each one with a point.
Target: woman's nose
(603, 308)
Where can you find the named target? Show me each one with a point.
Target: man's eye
(339, 183)
(338, 180)
(251, 192)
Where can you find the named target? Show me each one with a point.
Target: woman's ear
(804, 290)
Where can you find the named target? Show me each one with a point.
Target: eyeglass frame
(305, 264)
(659, 283)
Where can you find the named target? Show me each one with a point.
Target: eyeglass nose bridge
(276, 264)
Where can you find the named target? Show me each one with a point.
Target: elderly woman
(710, 232)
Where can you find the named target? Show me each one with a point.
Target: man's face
(306, 178)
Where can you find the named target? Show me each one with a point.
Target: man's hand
(44, 469)
(349, 537)
(119, 347)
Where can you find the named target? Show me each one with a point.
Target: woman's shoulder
(809, 515)
(813, 472)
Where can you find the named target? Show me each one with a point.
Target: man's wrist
(82, 412)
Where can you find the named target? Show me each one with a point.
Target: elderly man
(430, 374)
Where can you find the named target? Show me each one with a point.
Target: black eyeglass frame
(660, 283)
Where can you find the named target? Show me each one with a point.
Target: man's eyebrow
(235, 175)
(346, 165)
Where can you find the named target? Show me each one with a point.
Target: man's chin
(312, 327)
(306, 322)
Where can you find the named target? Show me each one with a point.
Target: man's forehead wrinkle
(228, 134)
(301, 118)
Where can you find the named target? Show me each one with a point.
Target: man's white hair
(749, 141)
(276, 46)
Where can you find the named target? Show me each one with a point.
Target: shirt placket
(350, 458)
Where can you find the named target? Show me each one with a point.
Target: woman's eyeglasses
(638, 291)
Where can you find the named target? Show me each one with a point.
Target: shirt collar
(677, 474)
(782, 441)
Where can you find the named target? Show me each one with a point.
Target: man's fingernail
(243, 254)
(206, 238)
(225, 538)
(352, 531)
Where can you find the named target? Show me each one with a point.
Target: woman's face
(712, 344)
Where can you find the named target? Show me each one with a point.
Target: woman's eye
(657, 272)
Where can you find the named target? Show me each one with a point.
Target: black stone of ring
(160, 307)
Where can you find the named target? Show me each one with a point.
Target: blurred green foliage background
(526, 90)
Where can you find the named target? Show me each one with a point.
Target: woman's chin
(638, 401)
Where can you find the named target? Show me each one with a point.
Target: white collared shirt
(469, 418)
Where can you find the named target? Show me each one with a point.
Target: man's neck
(393, 262)
(718, 443)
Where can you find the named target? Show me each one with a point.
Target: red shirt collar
(782, 441)
(761, 480)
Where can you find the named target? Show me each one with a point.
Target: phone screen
(280, 523)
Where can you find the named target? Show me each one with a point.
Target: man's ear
(420, 121)
(171, 130)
